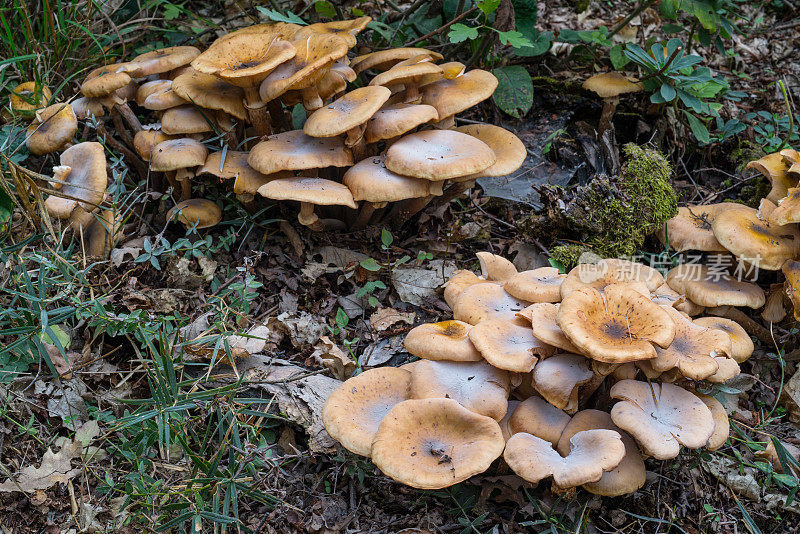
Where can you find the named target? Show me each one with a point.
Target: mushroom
(355, 409)
(610, 271)
(712, 288)
(309, 192)
(451, 96)
(592, 452)
(145, 140)
(460, 280)
(690, 229)
(343, 29)
(82, 179)
(539, 418)
(103, 84)
(179, 158)
(774, 168)
(626, 477)
(158, 95)
(52, 129)
(210, 92)
(538, 285)
(609, 86)
(661, 417)
(507, 345)
(295, 150)
(512, 405)
(557, 380)
(770, 454)
(741, 345)
(544, 326)
(727, 369)
(409, 75)
(392, 121)
(666, 296)
(231, 164)
(791, 270)
(722, 426)
(774, 310)
(617, 326)
(693, 350)
(486, 300)
(477, 386)
(385, 59)
(495, 267)
(102, 233)
(186, 120)
(160, 61)
(788, 210)
(195, 212)
(446, 340)
(435, 443)
(85, 108)
(27, 97)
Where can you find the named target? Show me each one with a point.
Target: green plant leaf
(370, 264)
(698, 128)
(325, 9)
(488, 6)
(460, 33)
(669, 8)
(6, 209)
(514, 93)
(618, 57)
(514, 38)
(277, 16)
(668, 93)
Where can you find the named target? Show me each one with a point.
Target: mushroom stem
(256, 111)
(355, 140)
(129, 116)
(277, 115)
(311, 99)
(411, 94)
(445, 124)
(183, 176)
(173, 182)
(365, 214)
(455, 190)
(609, 108)
(749, 325)
(308, 218)
(404, 210)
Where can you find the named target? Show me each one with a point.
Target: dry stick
(441, 29)
(626, 20)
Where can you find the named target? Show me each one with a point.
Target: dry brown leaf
(385, 318)
(55, 469)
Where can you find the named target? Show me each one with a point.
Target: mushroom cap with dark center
(105, 80)
(693, 350)
(53, 127)
(160, 61)
(294, 150)
(174, 154)
(435, 443)
(741, 345)
(280, 30)
(507, 345)
(370, 180)
(397, 119)
(27, 97)
(557, 379)
(451, 96)
(542, 316)
(348, 112)
(611, 84)
(445, 340)
(610, 271)
(343, 29)
(244, 59)
(318, 191)
(355, 409)
(486, 300)
(210, 92)
(537, 285)
(385, 59)
(691, 229)
(538, 417)
(86, 180)
(711, 288)
(439, 155)
(507, 147)
(196, 211)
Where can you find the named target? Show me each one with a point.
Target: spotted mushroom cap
(538, 285)
(691, 229)
(711, 287)
(445, 340)
(439, 155)
(507, 345)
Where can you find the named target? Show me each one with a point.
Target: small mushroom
(234, 166)
(158, 95)
(82, 178)
(741, 345)
(27, 97)
(495, 267)
(557, 380)
(508, 346)
(461, 280)
(693, 350)
(407, 74)
(609, 86)
(392, 121)
(187, 120)
(309, 192)
(102, 233)
(538, 285)
(52, 129)
(439, 155)
(774, 168)
(451, 96)
(197, 212)
(712, 288)
(145, 141)
(104, 84)
(383, 60)
(294, 150)
(210, 92)
(788, 210)
(179, 158)
(610, 271)
(539, 418)
(160, 61)
(446, 340)
(486, 300)
(791, 270)
(722, 426)
(544, 325)
(774, 311)
(691, 229)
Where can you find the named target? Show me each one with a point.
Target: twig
(791, 116)
(442, 28)
(626, 20)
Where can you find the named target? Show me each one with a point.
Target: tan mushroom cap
(435, 443)
(186, 119)
(495, 267)
(774, 169)
(244, 59)
(611, 84)
(624, 371)
(460, 281)
(722, 426)
(728, 369)
(397, 119)
(610, 271)
(105, 80)
(83, 168)
(102, 233)
(757, 241)
(788, 210)
(451, 96)
(355, 409)
(145, 141)
(628, 476)
(160, 61)
(385, 59)
(770, 454)
(174, 154)
(711, 288)
(235, 166)
(539, 418)
(790, 156)
(617, 326)
(538, 285)
(196, 211)
(477, 386)
(666, 296)
(88, 107)
(693, 350)
(507, 147)
(741, 345)
(690, 229)
(558, 377)
(318, 191)
(403, 73)
(661, 417)
(348, 112)
(446, 340)
(281, 30)
(791, 270)
(439, 155)
(27, 97)
(158, 95)
(542, 316)
(343, 29)
(370, 180)
(294, 150)
(507, 345)
(774, 311)
(512, 405)
(210, 92)
(52, 129)
(486, 300)
(592, 452)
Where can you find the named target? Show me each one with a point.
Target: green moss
(579, 5)
(567, 256)
(746, 152)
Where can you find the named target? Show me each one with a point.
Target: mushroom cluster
(523, 370)
(379, 152)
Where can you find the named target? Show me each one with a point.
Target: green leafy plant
(706, 21)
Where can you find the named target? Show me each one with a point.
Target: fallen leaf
(382, 350)
(334, 358)
(385, 318)
(133, 248)
(418, 285)
(54, 469)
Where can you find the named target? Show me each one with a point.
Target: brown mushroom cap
(610, 271)
(791, 270)
(728, 368)
(244, 59)
(666, 296)
(27, 97)
(722, 426)
(435, 443)
(385, 59)
(741, 345)
(538, 417)
(370, 180)
(280, 30)
(507, 345)
(145, 141)
(86, 180)
(557, 379)
(186, 119)
(318, 191)
(495, 267)
(438, 155)
(355, 409)
(661, 417)
(451, 96)
(788, 210)
(617, 326)
(102, 233)
(774, 168)
(348, 112)
(397, 119)
(174, 154)
(197, 212)
(538, 285)
(294, 150)
(460, 281)
(693, 350)
(235, 166)
(542, 316)
(160, 61)
(52, 129)
(345, 30)
(105, 80)
(691, 229)
(486, 300)
(711, 288)
(158, 95)
(210, 92)
(446, 340)
(403, 73)
(507, 147)
(611, 84)
(592, 452)
(477, 386)
(628, 476)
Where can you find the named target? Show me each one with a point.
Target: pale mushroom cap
(355, 409)
(722, 426)
(451, 96)
(52, 129)
(159, 61)
(711, 288)
(29, 96)
(370, 180)
(319, 191)
(294, 150)
(610, 84)
(592, 452)
(788, 210)
(538, 417)
(538, 285)
(693, 350)
(507, 147)
(728, 368)
(244, 59)
(628, 476)
(87, 180)
(438, 155)
(756, 241)
(610, 271)
(508, 346)
(512, 405)
(691, 229)
(186, 119)
(174, 154)
(105, 80)
(345, 30)
(617, 326)
(235, 166)
(477, 386)
(542, 316)
(742, 346)
(87, 107)
(158, 95)
(664, 295)
(385, 59)
(774, 168)
(486, 300)
(405, 74)
(145, 140)
(791, 270)
(281, 30)
(392, 121)
(495, 267)
(210, 92)
(446, 340)
(557, 379)
(196, 211)
(622, 372)
(460, 280)
(661, 417)
(349, 111)
(435, 443)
